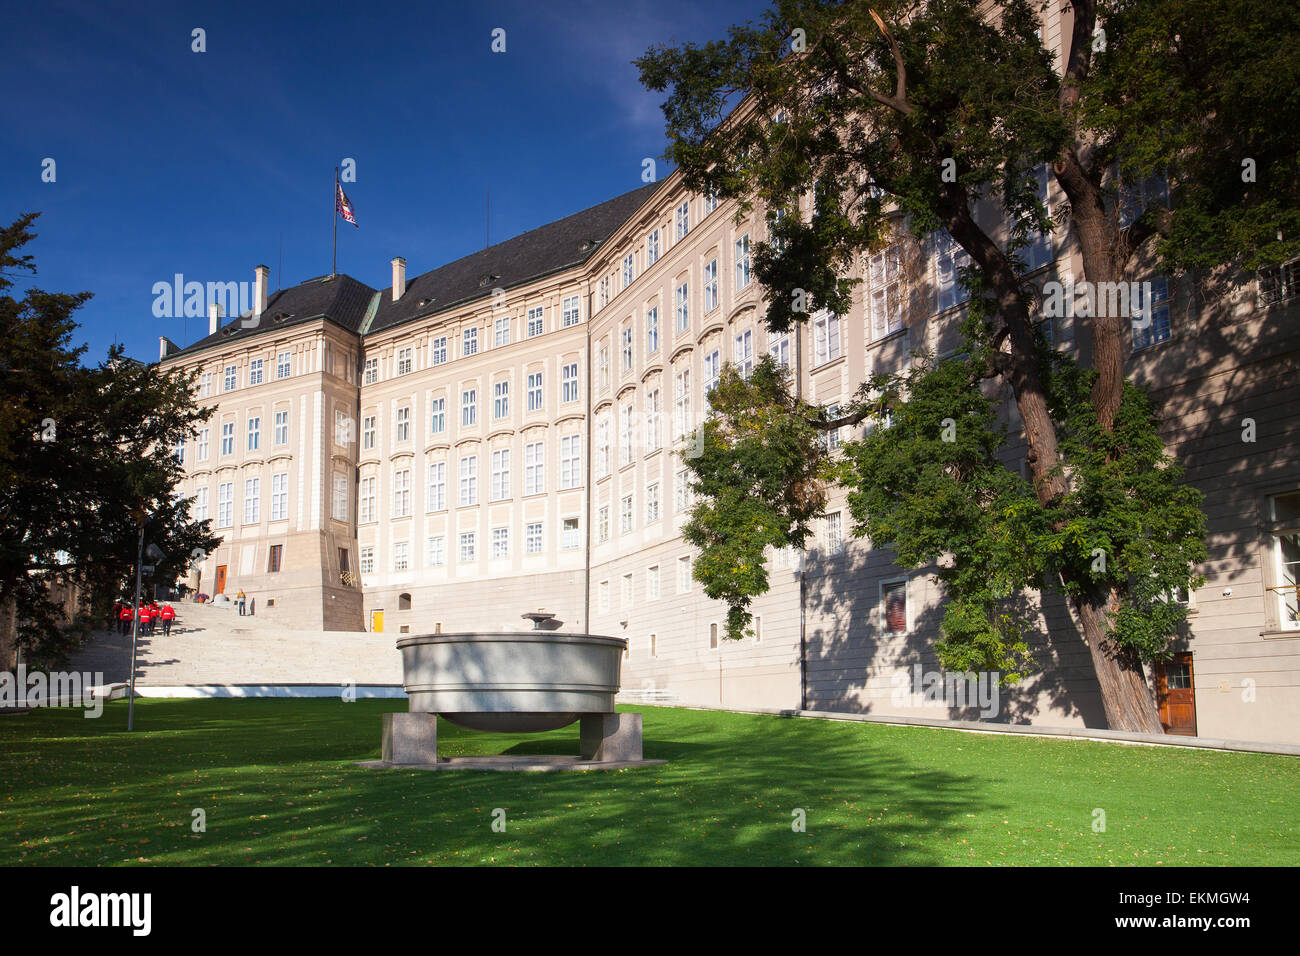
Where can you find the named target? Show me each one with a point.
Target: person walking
(146, 619)
(241, 598)
(124, 618)
(168, 614)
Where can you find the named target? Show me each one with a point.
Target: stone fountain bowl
(511, 682)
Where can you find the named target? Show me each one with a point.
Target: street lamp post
(135, 625)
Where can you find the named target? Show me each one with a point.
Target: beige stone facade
(518, 448)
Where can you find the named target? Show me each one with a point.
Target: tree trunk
(1125, 694)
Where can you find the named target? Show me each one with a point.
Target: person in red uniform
(124, 616)
(167, 614)
(146, 619)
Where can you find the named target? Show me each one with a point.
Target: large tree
(86, 454)
(907, 116)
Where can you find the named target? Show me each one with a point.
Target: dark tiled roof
(539, 252)
(342, 300)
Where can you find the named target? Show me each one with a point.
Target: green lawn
(277, 782)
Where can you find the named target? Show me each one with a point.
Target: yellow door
(377, 621)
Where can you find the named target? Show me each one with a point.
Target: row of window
(278, 501)
(467, 546)
(500, 486)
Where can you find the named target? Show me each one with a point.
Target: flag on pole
(344, 205)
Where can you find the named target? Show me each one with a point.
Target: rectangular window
(602, 366)
(205, 385)
(372, 371)
(570, 383)
(893, 607)
(227, 438)
(281, 428)
(404, 361)
(681, 404)
(712, 370)
(225, 504)
(826, 337)
(569, 534)
(534, 391)
(745, 351)
(501, 331)
(401, 555)
(683, 220)
(342, 428)
(273, 557)
(625, 514)
(627, 270)
(469, 342)
(653, 410)
(367, 501)
(627, 349)
(602, 524)
(501, 400)
(282, 365)
(682, 307)
(710, 286)
(254, 432)
(437, 416)
(652, 583)
(885, 299)
(468, 488)
(652, 502)
(280, 496)
(683, 574)
(500, 542)
(467, 547)
(368, 559)
(1154, 317)
(468, 407)
(778, 346)
(534, 468)
(710, 202)
(536, 325)
(499, 488)
(437, 486)
(252, 500)
(231, 379)
(603, 591)
(830, 440)
(681, 491)
(255, 372)
(571, 312)
(602, 293)
(602, 445)
(435, 552)
(369, 433)
(201, 445)
(625, 416)
(570, 461)
(949, 258)
(533, 538)
(652, 330)
(340, 503)
(403, 430)
(1039, 252)
(834, 533)
(742, 261)
(438, 351)
(401, 492)
(652, 247)
(200, 507)
(627, 590)
(1285, 532)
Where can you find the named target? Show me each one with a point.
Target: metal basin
(511, 682)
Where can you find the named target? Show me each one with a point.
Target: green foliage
(82, 450)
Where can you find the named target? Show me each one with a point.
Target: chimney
(162, 347)
(399, 278)
(214, 317)
(259, 289)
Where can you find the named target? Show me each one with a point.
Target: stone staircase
(213, 645)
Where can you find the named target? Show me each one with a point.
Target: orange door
(221, 579)
(1176, 694)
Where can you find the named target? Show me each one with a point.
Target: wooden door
(1176, 694)
(221, 580)
(377, 622)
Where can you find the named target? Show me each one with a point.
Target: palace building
(505, 433)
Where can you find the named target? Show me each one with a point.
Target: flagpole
(334, 208)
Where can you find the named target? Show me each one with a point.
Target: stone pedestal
(410, 739)
(611, 737)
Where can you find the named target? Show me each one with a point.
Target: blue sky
(171, 161)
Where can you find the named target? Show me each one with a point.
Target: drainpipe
(587, 480)
(803, 584)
